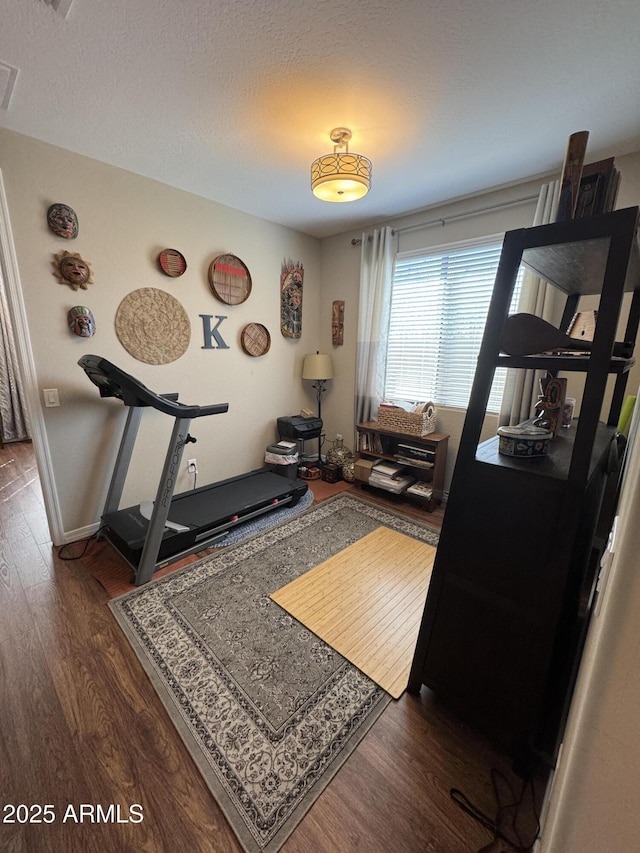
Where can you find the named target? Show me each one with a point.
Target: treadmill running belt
(207, 512)
(204, 507)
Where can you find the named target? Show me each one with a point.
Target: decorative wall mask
(63, 221)
(81, 321)
(71, 269)
(291, 299)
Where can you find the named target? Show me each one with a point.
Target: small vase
(338, 454)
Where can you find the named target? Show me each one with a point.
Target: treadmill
(152, 535)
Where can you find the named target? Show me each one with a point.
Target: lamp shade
(317, 366)
(341, 176)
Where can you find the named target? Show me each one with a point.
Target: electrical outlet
(192, 466)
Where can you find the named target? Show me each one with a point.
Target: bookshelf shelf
(375, 443)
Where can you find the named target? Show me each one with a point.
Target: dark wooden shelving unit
(514, 578)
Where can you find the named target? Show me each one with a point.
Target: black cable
(494, 824)
(87, 542)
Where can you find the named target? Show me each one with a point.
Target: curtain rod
(444, 219)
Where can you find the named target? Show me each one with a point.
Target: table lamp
(319, 368)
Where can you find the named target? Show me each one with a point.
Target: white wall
(593, 801)
(124, 222)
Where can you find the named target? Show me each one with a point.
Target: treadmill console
(296, 427)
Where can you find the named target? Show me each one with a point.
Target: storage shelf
(569, 363)
(370, 432)
(515, 572)
(556, 464)
(573, 255)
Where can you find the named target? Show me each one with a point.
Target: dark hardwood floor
(81, 724)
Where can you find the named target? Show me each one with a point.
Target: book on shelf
(598, 191)
(421, 490)
(612, 194)
(415, 463)
(410, 451)
(389, 469)
(397, 485)
(369, 442)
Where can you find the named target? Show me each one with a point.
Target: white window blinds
(439, 308)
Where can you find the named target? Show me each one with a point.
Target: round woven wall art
(255, 339)
(172, 262)
(229, 279)
(153, 326)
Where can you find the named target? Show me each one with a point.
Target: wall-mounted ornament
(153, 326)
(229, 279)
(337, 322)
(81, 321)
(62, 220)
(69, 268)
(172, 262)
(291, 279)
(255, 339)
(212, 334)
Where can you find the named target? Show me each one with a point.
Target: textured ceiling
(233, 99)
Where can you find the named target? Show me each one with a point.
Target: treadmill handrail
(112, 381)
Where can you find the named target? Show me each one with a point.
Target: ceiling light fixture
(340, 176)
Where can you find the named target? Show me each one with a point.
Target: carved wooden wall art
(337, 322)
(291, 299)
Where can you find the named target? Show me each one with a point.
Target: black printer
(298, 428)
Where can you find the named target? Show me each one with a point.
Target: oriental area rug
(268, 711)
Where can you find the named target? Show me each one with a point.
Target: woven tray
(230, 279)
(255, 339)
(398, 420)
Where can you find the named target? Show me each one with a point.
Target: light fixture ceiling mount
(341, 176)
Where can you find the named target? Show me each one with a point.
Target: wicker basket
(399, 420)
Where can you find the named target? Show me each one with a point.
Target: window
(439, 307)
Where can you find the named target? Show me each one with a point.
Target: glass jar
(349, 468)
(338, 454)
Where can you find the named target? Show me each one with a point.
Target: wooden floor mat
(366, 602)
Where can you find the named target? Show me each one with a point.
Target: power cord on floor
(495, 825)
(87, 542)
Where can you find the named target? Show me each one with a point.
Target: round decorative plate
(255, 339)
(172, 262)
(229, 279)
(153, 326)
